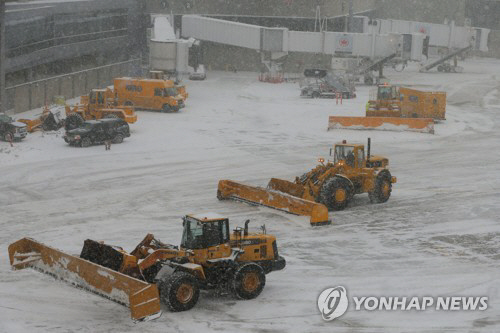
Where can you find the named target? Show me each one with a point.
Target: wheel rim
(386, 189)
(340, 195)
(250, 281)
(185, 293)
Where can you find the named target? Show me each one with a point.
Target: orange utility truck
(395, 101)
(149, 94)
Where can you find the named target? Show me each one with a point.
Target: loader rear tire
(179, 291)
(336, 193)
(248, 281)
(383, 188)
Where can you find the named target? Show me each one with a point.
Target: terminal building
(47, 39)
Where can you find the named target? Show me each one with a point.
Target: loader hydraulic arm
(161, 255)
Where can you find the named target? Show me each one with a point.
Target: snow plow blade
(142, 297)
(318, 213)
(423, 125)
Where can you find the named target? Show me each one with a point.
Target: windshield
(192, 237)
(200, 235)
(171, 91)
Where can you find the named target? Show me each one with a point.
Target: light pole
(3, 101)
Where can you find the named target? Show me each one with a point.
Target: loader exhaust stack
(369, 146)
(318, 213)
(141, 297)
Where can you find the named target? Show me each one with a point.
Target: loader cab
(98, 97)
(387, 92)
(352, 155)
(204, 230)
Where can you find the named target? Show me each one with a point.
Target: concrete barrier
(22, 98)
(35, 94)
(79, 84)
(66, 87)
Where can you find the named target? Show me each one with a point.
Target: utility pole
(349, 19)
(3, 100)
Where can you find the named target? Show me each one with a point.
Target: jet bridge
(280, 41)
(449, 35)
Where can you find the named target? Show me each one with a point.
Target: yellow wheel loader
(335, 183)
(328, 186)
(209, 257)
(97, 105)
(387, 102)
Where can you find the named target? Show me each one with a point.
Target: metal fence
(35, 94)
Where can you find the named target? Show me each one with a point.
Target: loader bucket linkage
(318, 213)
(141, 297)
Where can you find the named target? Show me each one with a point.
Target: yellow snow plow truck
(330, 185)
(209, 257)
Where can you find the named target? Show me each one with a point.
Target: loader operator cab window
(200, 235)
(344, 153)
(96, 95)
(384, 93)
(361, 157)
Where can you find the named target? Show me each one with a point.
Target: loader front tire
(336, 193)
(248, 281)
(179, 291)
(73, 121)
(382, 189)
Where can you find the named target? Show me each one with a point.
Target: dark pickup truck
(97, 132)
(11, 130)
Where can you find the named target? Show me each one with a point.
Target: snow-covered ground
(438, 235)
